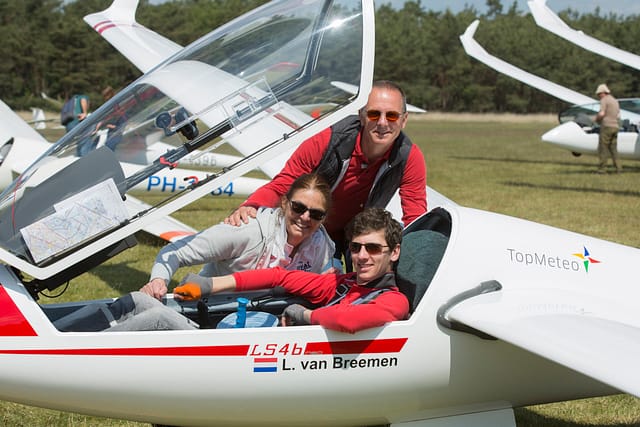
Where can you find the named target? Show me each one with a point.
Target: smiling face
(370, 266)
(301, 225)
(379, 131)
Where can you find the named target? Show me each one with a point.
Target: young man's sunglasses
(371, 248)
(392, 116)
(300, 209)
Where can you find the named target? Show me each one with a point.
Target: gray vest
(335, 161)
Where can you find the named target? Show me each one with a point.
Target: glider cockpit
(423, 246)
(583, 114)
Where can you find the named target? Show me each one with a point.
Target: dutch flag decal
(265, 364)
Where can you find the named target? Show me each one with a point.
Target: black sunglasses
(300, 209)
(371, 248)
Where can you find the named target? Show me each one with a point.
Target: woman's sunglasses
(392, 116)
(300, 209)
(371, 248)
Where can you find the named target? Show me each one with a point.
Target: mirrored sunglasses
(371, 248)
(392, 116)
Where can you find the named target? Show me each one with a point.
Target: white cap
(602, 89)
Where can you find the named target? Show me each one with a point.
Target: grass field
(496, 164)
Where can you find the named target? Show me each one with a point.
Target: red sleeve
(248, 280)
(413, 191)
(316, 288)
(386, 307)
(320, 289)
(304, 160)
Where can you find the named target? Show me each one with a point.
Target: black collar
(386, 281)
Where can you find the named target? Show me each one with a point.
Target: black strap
(203, 315)
(370, 296)
(341, 291)
(381, 284)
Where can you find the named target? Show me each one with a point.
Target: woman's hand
(156, 287)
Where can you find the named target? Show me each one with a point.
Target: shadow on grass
(591, 166)
(523, 161)
(528, 418)
(625, 193)
(145, 238)
(121, 277)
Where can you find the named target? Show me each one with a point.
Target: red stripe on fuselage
(216, 350)
(12, 322)
(391, 345)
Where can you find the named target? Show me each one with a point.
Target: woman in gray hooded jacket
(291, 236)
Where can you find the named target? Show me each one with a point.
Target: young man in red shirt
(366, 298)
(365, 159)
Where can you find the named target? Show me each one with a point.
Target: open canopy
(583, 114)
(261, 83)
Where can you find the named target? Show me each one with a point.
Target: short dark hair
(388, 84)
(374, 219)
(312, 181)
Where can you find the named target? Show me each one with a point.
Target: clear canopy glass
(272, 66)
(583, 114)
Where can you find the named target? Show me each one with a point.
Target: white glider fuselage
(571, 136)
(288, 376)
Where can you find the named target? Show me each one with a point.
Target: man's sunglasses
(371, 248)
(300, 209)
(392, 116)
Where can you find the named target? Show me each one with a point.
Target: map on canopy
(76, 219)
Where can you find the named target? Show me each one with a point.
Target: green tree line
(47, 47)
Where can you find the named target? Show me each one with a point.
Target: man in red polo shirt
(365, 158)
